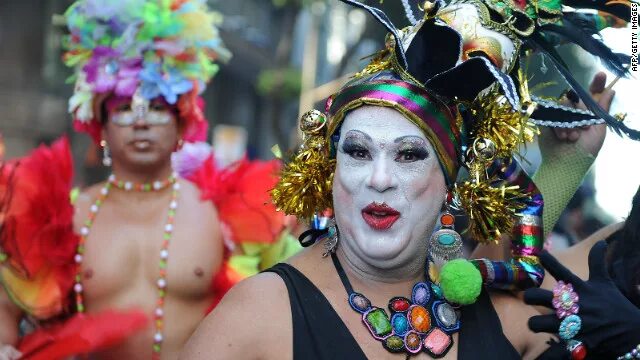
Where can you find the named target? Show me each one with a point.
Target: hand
(590, 138)
(610, 322)
(8, 352)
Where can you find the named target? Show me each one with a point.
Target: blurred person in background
(129, 268)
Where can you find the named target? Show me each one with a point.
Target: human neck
(142, 175)
(393, 280)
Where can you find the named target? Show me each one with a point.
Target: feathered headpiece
(503, 30)
(146, 48)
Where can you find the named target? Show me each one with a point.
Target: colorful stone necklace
(164, 252)
(424, 323)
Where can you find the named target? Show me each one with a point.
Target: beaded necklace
(164, 252)
(426, 322)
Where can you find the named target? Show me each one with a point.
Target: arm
(9, 321)
(242, 325)
(575, 257)
(567, 155)
(610, 323)
(513, 315)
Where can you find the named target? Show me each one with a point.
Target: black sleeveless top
(320, 334)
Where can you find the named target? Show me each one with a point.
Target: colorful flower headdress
(146, 48)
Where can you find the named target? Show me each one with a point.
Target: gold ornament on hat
(497, 132)
(306, 181)
(491, 209)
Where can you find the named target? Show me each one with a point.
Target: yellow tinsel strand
(379, 62)
(500, 123)
(491, 209)
(306, 181)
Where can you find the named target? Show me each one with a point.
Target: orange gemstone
(419, 318)
(447, 219)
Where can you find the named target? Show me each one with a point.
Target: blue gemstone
(400, 324)
(420, 294)
(437, 290)
(446, 239)
(569, 327)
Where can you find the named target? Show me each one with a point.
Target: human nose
(381, 178)
(140, 122)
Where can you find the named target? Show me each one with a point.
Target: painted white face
(477, 39)
(388, 188)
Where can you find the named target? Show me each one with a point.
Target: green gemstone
(156, 348)
(78, 277)
(80, 249)
(446, 239)
(379, 322)
(3, 257)
(80, 308)
(163, 264)
(161, 293)
(87, 223)
(172, 212)
(98, 202)
(394, 343)
(146, 187)
(167, 236)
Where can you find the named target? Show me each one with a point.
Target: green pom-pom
(460, 281)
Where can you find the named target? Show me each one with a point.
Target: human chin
(381, 245)
(368, 242)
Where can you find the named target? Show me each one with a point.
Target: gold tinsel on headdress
(306, 181)
(501, 124)
(491, 209)
(498, 131)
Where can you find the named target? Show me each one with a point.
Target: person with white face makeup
(390, 189)
(385, 157)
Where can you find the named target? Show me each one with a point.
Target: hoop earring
(106, 156)
(446, 243)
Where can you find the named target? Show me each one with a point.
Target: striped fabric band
(428, 113)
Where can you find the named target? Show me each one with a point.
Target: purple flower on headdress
(169, 84)
(107, 72)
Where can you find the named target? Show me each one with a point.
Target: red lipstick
(380, 216)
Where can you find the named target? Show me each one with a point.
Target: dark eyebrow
(408, 137)
(367, 137)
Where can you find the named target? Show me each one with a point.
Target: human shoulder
(83, 202)
(576, 257)
(253, 321)
(191, 195)
(514, 315)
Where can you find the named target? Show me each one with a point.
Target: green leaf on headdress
(159, 22)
